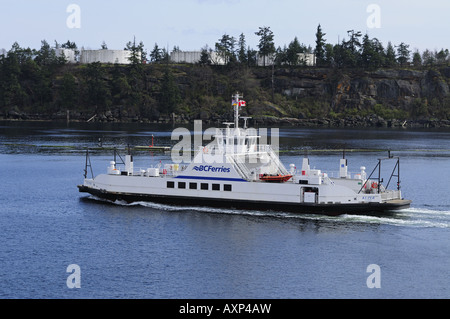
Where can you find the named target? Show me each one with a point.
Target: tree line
(40, 81)
(356, 51)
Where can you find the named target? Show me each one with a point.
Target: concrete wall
(69, 54)
(105, 56)
(185, 56)
(193, 57)
(308, 58)
(264, 60)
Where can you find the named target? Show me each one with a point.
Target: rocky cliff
(391, 97)
(297, 96)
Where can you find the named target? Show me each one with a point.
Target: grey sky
(191, 24)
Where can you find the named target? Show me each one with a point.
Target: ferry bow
(236, 171)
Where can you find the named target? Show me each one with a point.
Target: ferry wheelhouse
(236, 171)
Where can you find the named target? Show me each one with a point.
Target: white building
(105, 56)
(308, 59)
(185, 56)
(193, 57)
(265, 60)
(68, 54)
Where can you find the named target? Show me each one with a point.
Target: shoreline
(371, 121)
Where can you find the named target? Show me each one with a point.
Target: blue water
(146, 250)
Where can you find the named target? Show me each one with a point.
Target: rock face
(363, 89)
(295, 96)
(392, 97)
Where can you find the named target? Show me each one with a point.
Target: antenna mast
(236, 104)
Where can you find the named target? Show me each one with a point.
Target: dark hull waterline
(297, 208)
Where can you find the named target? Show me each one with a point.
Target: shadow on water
(410, 217)
(304, 221)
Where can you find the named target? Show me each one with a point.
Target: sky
(192, 24)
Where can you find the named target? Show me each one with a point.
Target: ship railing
(328, 180)
(350, 175)
(390, 194)
(240, 167)
(275, 159)
(395, 173)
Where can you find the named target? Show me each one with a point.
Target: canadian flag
(242, 103)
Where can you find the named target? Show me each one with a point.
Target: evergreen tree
(165, 56)
(281, 56)
(266, 44)
(225, 48)
(403, 54)
(319, 51)
(353, 44)
(417, 59)
(371, 53)
(292, 52)
(242, 53)
(252, 58)
(350, 49)
(378, 57)
(366, 51)
(204, 56)
(156, 55)
(138, 54)
(47, 56)
(11, 92)
(390, 57)
(329, 55)
(339, 55)
(441, 56)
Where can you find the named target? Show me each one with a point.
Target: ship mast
(236, 104)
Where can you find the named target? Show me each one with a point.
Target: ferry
(236, 171)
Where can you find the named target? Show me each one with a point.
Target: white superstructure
(234, 170)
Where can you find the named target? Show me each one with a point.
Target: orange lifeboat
(275, 178)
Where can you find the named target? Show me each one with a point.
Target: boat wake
(410, 217)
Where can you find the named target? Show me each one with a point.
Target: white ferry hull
(298, 208)
(242, 195)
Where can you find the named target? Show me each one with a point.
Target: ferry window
(192, 185)
(204, 186)
(181, 185)
(216, 187)
(227, 187)
(170, 184)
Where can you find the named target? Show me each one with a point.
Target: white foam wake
(410, 217)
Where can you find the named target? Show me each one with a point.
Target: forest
(356, 80)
